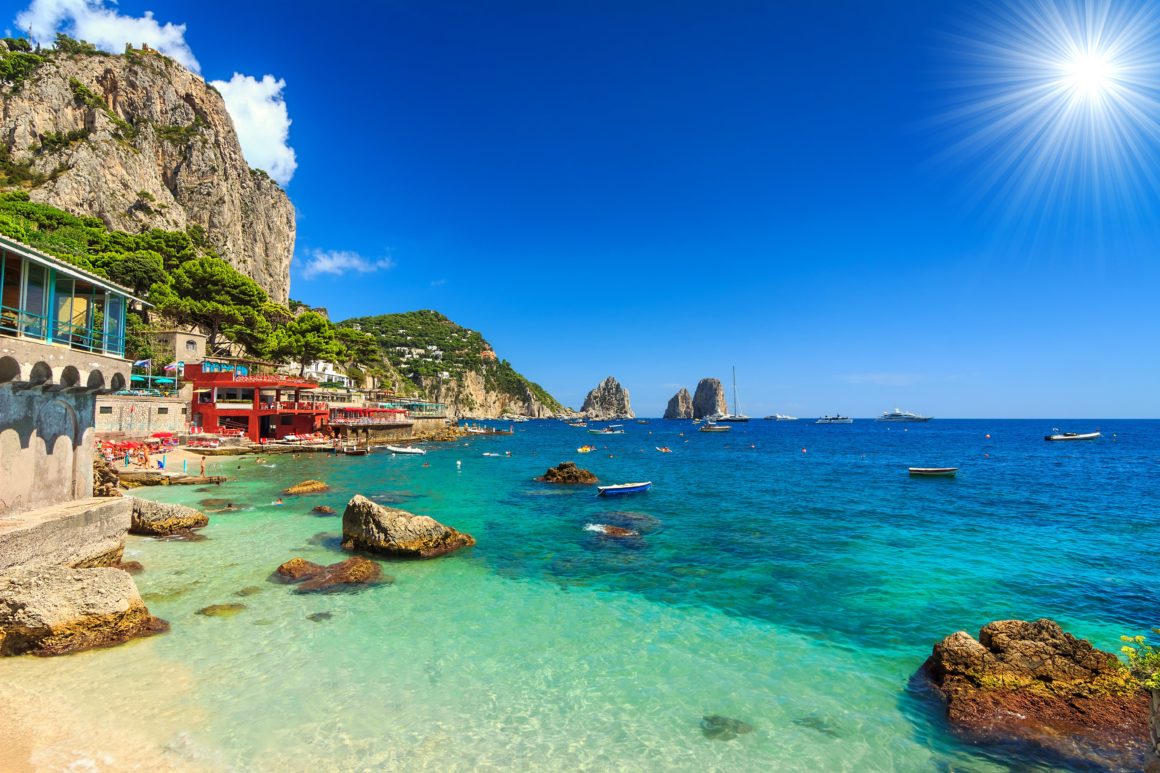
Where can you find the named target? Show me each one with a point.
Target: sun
(1089, 74)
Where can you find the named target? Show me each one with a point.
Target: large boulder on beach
(307, 487)
(680, 406)
(345, 575)
(397, 533)
(163, 520)
(568, 472)
(1032, 682)
(52, 610)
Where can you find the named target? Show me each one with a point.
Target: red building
(228, 400)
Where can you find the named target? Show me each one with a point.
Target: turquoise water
(795, 590)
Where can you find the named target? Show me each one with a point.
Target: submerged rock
(1033, 682)
(307, 487)
(723, 728)
(344, 575)
(51, 610)
(132, 567)
(162, 520)
(221, 610)
(609, 530)
(377, 529)
(319, 617)
(249, 590)
(323, 510)
(568, 472)
(680, 406)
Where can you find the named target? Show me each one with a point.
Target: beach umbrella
(136, 378)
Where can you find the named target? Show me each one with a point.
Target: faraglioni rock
(163, 520)
(391, 532)
(709, 400)
(568, 472)
(609, 400)
(681, 406)
(53, 610)
(1033, 682)
(141, 142)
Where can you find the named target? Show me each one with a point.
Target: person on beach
(203, 466)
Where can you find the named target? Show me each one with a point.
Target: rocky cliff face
(140, 142)
(469, 395)
(709, 398)
(609, 400)
(681, 406)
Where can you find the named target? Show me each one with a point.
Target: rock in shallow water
(50, 610)
(1034, 683)
(221, 610)
(568, 472)
(345, 575)
(163, 520)
(377, 529)
(307, 487)
(722, 728)
(319, 617)
(323, 510)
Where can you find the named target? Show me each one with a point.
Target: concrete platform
(84, 532)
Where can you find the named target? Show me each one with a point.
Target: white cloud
(106, 29)
(257, 107)
(262, 121)
(339, 262)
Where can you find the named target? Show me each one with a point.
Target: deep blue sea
(789, 575)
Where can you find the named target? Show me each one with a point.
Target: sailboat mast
(735, 411)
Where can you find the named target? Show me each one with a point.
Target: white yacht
(900, 415)
(779, 417)
(836, 419)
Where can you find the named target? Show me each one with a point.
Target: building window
(185, 411)
(105, 409)
(162, 411)
(191, 345)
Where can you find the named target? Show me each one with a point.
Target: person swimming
(278, 501)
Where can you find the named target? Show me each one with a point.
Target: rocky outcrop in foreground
(609, 400)
(1031, 682)
(140, 142)
(568, 472)
(51, 610)
(680, 406)
(345, 575)
(387, 531)
(105, 480)
(157, 519)
(709, 399)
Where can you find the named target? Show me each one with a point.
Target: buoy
(803, 450)
(988, 437)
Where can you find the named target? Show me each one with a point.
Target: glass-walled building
(47, 299)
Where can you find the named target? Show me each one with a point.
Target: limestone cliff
(609, 400)
(709, 399)
(141, 142)
(448, 363)
(680, 406)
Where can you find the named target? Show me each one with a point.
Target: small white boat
(714, 427)
(491, 453)
(779, 417)
(834, 420)
(1072, 436)
(611, 429)
(933, 472)
(900, 415)
(623, 488)
(405, 450)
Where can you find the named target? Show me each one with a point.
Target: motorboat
(779, 417)
(933, 472)
(579, 424)
(405, 450)
(836, 419)
(1072, 436)
(611, 429)
(623, 488)
(713, 426)
(900, 415)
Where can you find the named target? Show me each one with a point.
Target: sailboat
(737, 415)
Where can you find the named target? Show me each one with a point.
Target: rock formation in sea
(54, 610)
(164, 520)
(140, 142)
(609, 400)
(568, 472)
(385, 530)
(1032, 682)
(709, 398)
(345, 575)
(680, 406)
(307, 487)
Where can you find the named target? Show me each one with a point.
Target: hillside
(454, 365)
(139, 142)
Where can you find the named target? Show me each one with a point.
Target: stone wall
(85, 532)
(141, 416)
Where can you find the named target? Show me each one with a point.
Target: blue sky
(821, 194)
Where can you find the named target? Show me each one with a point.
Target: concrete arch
(95, 381)
(41, 373)
(118, 382)
(69, 376)
(9, 370)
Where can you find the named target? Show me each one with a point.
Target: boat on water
(779, 417)
(585, 449)
(623, 488)
(900, 415)
(405, 450)
(1072, 435)
(642, 421)
(713, 426)
(580, 424)
(611, 429)
(835, 419)
(737, 415)
(663, 449)
(933, 472)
